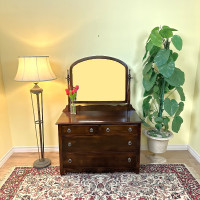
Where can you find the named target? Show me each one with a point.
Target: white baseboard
(6, 157)
(35, 149)
(194, 153)
(171, 147)
(177, 147)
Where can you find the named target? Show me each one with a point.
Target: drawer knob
(129, 160)
(70, 160)
(129, 129)
(69, 130)
(69, 144)
(91, 130)
(107, 130)
(129, 143)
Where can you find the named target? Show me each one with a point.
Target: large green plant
(160, 79)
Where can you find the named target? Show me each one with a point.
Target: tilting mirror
(100, 79)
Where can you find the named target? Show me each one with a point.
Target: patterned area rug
(155, 182)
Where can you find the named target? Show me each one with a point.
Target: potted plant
(161, 78)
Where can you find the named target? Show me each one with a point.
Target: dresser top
(99, 117)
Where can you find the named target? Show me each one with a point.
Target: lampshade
(34, 69)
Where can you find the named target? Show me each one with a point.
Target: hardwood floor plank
(27, 159)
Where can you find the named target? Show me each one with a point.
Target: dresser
(101, 137)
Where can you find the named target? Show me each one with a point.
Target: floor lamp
(36, 69)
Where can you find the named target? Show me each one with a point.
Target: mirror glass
(100, 79)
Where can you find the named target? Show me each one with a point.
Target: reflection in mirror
(100, 79)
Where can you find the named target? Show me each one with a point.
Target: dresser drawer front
(120, 129)
(81, 160)
(80, 130)
(100, 143)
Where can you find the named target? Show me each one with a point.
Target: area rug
(155, 182)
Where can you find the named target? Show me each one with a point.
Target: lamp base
(42, 163)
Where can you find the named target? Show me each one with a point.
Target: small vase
(73, 108)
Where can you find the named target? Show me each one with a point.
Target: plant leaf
(154, 51)
(148, 84)
(167, 27)
(180, 108)
(156, 38)
(158, 119)
(158, 126)
(147, 67)
(149, 45)
(177, 78)
(177, 42)
(146, 106)
(147, 93)
(166, 122)
(167, 69)
(166, 32)
(147, 76)
(162, 57)
(176, 123)
(175, 56)
(155, 88)
(170, 106)
(181, 93)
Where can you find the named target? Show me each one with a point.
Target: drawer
(120, 129)
(100, 143)
(83, 160)
(80, 130)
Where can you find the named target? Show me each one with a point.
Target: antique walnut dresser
(104, 135)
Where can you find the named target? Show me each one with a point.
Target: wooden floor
(27, 159)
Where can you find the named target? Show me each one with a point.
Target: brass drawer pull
(129, 130)
(91, 130)
(129, 160)
(70, 160)
(69, 144)
(69, 130)
(107, 130)
(129, 143)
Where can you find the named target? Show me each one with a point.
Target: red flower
(72, 92)
(67, 91)
(76, 87)
(75, 90)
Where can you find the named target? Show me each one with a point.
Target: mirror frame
(127, 80)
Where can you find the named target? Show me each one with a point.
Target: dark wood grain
(113, 145)
(100, 143)
(99, 160)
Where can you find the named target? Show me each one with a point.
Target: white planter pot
(157, 145)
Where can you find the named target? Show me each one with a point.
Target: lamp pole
(41, 162)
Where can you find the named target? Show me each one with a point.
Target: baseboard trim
(179, 147)
(194, 153)
(6, 157)
(35, 149)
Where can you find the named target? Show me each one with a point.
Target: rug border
(188, 190)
